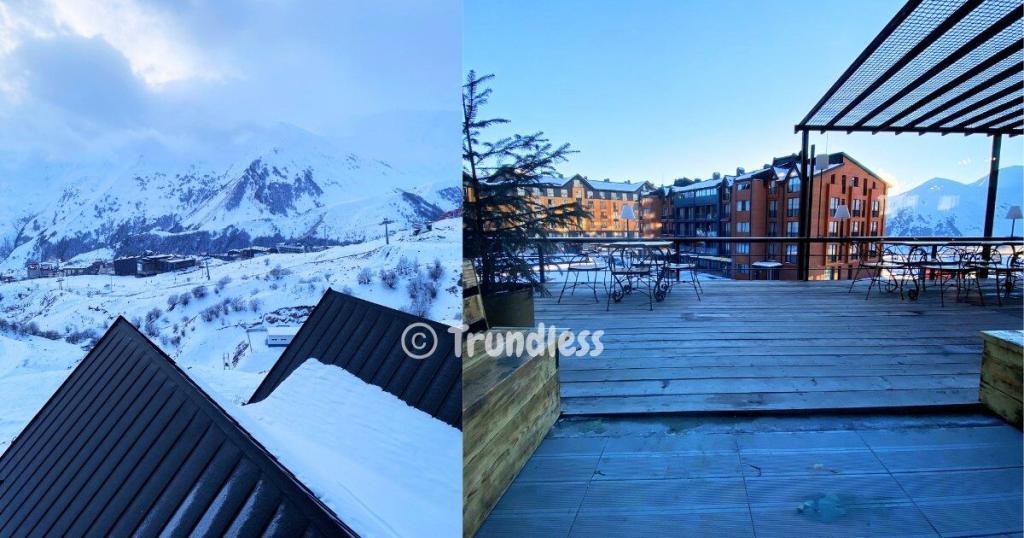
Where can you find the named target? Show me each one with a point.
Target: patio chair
(894, 269)
(591, 267)
(1006, 271)
(679, 267)
(954, 267)
(630, 271)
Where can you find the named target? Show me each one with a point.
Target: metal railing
(716, 255)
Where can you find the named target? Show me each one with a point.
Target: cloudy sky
(100, 79)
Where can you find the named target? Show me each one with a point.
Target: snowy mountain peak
(944, 207)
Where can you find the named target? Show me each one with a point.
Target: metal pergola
(939, 66)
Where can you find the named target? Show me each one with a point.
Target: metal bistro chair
(894, 270)
(591, 267)
(1006, 271)
(675, 267)
(630, 270)
(954, 267)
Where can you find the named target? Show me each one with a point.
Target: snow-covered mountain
(284, 184)
(943, 207)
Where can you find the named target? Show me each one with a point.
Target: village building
(603, 199)
(130, 445)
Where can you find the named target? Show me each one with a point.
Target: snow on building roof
(618, 186)
(386, 468)
(699, 185)
(282, 331)
(366, 339)
(130, 445)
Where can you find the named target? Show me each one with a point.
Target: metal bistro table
(632, 264)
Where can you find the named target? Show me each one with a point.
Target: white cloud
(158, 51)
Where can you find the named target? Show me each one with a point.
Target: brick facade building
(766, 203)
(603, 199)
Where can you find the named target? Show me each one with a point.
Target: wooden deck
(774, 346)
(849, 475)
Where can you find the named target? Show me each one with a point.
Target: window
(794, 184)
(773, 228)
(833, 228)
(773, 209)
(743, 227)
(551, 192)
(874, 229)
(745, 186)
(855, 228)
(844, 184)
(833, 252)
(773, 250)
(727, 228)
(742, 248)
(876, 207)
(743, 205)
(792, 207)
(790, 253)
(773, 187)
(854, 181)
(833, 204)
(793, 229)
(858, 206)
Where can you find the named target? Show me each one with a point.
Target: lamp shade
(842, 213)
(627, 212)
(1014, 213)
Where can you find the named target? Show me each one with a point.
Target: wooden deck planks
(774, 346)
(908, 476)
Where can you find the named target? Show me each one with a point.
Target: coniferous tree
(501, 222)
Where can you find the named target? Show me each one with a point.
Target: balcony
(686, 421)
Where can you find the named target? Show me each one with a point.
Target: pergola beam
(1009, 130)
(989, 113)
(1002, 119)
(953, 57)
(1010, 71)
(956, 82)
(909, 56)
(982, 103)
(897, 20)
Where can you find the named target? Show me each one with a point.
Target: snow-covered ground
(386, 468)
(215, 335)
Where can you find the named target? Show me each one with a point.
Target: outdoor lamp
(628, 215)
(842, 213)
(1013, 214)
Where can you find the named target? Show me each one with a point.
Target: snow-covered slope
(211, 333)
(943, 207)
(284, 185)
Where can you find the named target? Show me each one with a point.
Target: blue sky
(660, 89)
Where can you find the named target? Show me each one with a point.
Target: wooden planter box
(509, 404)
(1001, 366)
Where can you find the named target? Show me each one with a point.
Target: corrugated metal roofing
(129, 445)
(366, 339)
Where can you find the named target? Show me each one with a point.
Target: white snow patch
(384, 467)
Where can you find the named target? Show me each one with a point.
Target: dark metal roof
(939, 66)
(129, 445)
(366, 339)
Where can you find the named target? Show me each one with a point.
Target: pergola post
(993, 186)
(803, 250)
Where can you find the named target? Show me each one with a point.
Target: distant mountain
(288, 185)
(943, 207)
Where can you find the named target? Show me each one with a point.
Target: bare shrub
(365, 276)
